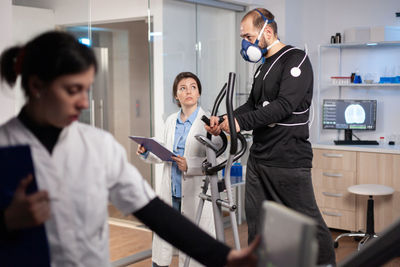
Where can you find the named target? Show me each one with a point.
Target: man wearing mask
(277, 110)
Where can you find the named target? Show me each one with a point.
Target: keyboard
(356, 142)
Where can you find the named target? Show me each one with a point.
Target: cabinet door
(377, 168)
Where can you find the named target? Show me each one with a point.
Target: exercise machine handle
(229, 110)
(222, 135)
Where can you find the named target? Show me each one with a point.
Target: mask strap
(274, 43)
(262, 15)
(265, 23)
(262, 30)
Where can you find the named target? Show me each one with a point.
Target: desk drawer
(339, 219)
(335, 199)
(337, 179)
(334, 160)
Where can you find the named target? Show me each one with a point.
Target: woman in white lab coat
(79, 168)
(182, 179)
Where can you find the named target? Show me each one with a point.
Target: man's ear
(269, 32)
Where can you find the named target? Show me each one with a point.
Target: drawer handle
(332, 214)
(329, 174)
(332, 155)
(332, 194)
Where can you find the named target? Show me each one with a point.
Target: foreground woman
(79, 168)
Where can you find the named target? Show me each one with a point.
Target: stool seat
(371, 189)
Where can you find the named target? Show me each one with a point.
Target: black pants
(293, 186)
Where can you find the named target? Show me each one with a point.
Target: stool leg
(370, 217)
(364, 241)
(370, 233)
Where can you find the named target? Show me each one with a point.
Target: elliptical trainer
(211, 168)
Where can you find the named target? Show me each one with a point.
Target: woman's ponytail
(11, 64)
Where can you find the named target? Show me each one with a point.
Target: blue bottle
(236, 173)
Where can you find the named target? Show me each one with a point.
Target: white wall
(23, 27)
(17, 28)
(24, 30)
(7, 101)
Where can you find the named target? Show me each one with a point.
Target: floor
(129, 238)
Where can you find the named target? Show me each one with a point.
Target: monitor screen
(348, 114)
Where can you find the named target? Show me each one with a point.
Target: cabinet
(335, 170)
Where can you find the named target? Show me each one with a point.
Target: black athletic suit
(279, 166)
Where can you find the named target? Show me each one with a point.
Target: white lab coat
(87, 169)
(192, 180)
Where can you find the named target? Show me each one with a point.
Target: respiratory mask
(252, 52)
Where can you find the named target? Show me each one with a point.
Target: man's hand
(245, 257)
(225, 125)
(27, 210)
(214, 127)
(181, 162)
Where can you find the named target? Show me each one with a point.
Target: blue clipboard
(154, 147)
(27, 247)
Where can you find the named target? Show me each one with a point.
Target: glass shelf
(361, 45)
(365, 85)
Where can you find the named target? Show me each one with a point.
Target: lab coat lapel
(193, 130)
(45, 171)
(170, 137)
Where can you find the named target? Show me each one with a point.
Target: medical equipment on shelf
(210, 168)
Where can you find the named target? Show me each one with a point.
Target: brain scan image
(354, 113)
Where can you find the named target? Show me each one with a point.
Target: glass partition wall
(118, 33)
(140, 46)
(119, 100)
(200, 39)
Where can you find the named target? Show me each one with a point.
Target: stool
(366, 190)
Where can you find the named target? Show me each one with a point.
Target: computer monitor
(288, 238)
(378, 251)
(348, 115)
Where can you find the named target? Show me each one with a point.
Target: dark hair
(258, 20)
(48, 56)
(178, 78)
